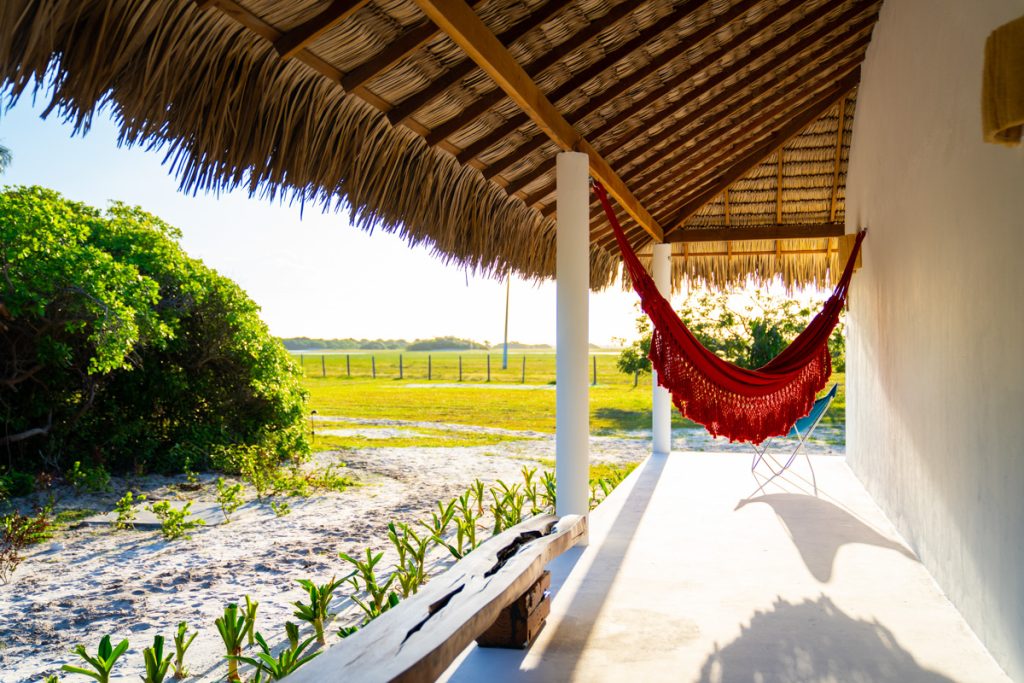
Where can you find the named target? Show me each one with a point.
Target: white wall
(936, 346)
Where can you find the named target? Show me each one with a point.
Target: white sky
(313, 275)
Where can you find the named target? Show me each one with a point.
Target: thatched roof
(366, 104)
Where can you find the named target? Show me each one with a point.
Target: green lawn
(615, 405)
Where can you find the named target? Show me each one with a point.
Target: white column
(572, 416)
(661, 404)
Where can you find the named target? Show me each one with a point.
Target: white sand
(90, 581)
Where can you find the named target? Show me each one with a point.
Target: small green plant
(125, 509)
(52, 678)
(18, 531)
(156, 663)
(508, 506)
(250, 618)
(477, 490)
(232, 627)
(102, 664)
(290, 659)
(182, 641)
(88, 479)
(346, 631)
(280, 509)
(316, 612)
(549, 494)
(175, 523)
(229, 497)
(439, 521)
(380, 597)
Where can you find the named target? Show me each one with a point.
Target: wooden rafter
(755, 252)
(305, 33)
(633, 114)
(400, 48)
(840, 132)
(725, 201)
(748, 162)
(640, 41)
(410, 105)
(459, 21)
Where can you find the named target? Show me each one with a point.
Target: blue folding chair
(801, 431)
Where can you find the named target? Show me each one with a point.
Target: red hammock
(741, 404)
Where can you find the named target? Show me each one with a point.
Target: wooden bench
(421, 637)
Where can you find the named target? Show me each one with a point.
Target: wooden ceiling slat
(817, 57)
(463, 26)
(744, 165)
(840, 132)
(400, 48)
(302, 35)
(659, 94)
(820, 96)
(680, 79)
(410, 105)
(592, 72)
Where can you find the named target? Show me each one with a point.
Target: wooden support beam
(840, 131)
(643, 39)
(305, 33)
(733, 253)
(410, 105)
(748, 162)
(725, 199)
(778, 187)
(659, 95)
(456, 19)
(759, 232)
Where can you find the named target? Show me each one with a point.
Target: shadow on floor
(819, 528)
(814, 642)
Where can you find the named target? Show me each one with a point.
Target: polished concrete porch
(693, 575)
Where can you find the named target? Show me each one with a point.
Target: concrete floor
(693, 575)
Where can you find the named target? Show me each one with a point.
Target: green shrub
(229, 497)
(88, 479)
(15, 484)
(17, 531)
(175, 522)
(125, 509)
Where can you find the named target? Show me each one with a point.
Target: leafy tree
(748, 331)
(5, 158)
(117, 346)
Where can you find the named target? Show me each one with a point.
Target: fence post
(595, 370)
(323, 366)
(488, 367)
(348, 364)
(460, 368)
(401, 371)
(373, 366)
(636, 378)
(524, 368)
(430, 369)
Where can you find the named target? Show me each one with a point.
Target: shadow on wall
(813, 642)
(819, 528)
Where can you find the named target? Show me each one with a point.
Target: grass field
(616, 405)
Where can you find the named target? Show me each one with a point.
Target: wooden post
(524, 368)
(323, 366)
(460, 368)
(430, 369)
(636, 378)
(401, 370)
(348, 364)
(488, 366)
(373, 366)
(595, 370)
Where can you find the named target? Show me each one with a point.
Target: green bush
(15, 484)
(118, 345)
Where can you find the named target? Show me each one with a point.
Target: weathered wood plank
(420, 638)
(761, 232)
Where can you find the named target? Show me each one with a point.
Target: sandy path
(90, 581)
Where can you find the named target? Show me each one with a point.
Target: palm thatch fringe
(227, 112)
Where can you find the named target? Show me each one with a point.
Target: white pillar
(572, 402)
(661, 403)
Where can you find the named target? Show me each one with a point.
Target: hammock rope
(730, 401)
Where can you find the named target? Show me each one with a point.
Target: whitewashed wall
(936, 348)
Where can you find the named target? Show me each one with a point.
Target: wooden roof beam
(748, 162)
(456, 19)
(410, 105)
(759, 232)
(580, 79)
(302, 35)
(749, 138)
(658, 95)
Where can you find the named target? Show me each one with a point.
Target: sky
(313, 274)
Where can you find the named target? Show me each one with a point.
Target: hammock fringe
(730, 401)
